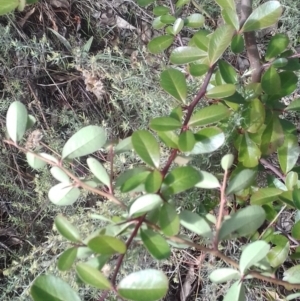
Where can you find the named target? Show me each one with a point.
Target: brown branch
(268, 165)
(250, 41)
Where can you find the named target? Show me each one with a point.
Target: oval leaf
(34, 162)
(153, 181)
(194, 20)
(98, 171)
(221, 91)
(277, 45)
(236, 292)
(169, 220)
(265, 195)
(224, 275)
(107, 245)
(164, 124)
(186, 54)
(63, 194)
(186, 141)
(66, 259)
(208, 181)
(59, 175)
(66, 229)
(270, 81)
(160, 43)
(145, 204)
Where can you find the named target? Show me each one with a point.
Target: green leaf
(59, 175)
(194, 20)
(164, 124)
(153, 181)
(249, 152)
(227, 161)
(224, 275)
(107, 245)
(31, 121)
(16, 119)
(237, 44)
(66, 229)
(228, 72)
(157, 24)
(51, 288)
(296, 198)
(181, 179)
(265, 195)
(34, 162)
(208, 115)
(195, 223)
(292, 296)
(271, 82)
(292, 275)
(146, 146)
(178, 25)
(186, 141)
(230, 17)
(144, 204)
(167, 19)
(144, 2)
(291, 180)
(200, 39)
(294, 105)
(198, 69)
(173, 82)
(281, 62)
(264, 16)
(277, 45)
(278, 255)
(63, 194)
(7, 6)
(219, 41)
(92, 276)
(208, 181)
(244, 222)
(86, 141)
(221, 91)
(160, 43)
(170, 139)
(98, 171)
(252, 254)
(288, 153)
(145, 285)
(66, 259)
(160, 10)
(241, 179)
(186, 54)
(254, 116)
(208, 140)
(236, 292)
(226, 4)
(169, 220)
(62, 39)
(288, 83)
(135, 183)
(129, 173)
(296, 230)
(155, 244)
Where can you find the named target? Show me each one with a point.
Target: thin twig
(276, 171)
(174, 12)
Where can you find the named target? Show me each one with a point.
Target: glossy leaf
(66, 229)
(106, 245)
(59, 175)
(226, 4)
(289, 82)
(294, 105)
(228, 72)
(278, 255)
(280, 62)
(231, 18)
(157, 24)
(170, 139)
(252, 254)
(194, 20)
(200, 39)
(208, 140)
(208, 115)
(292, 275)
(160, 10)
(146, 146)
(181, 3)
(167, 19)
(277, 45)
(66, 259)
(63, 194)
(178, 25)
(265, 195)
(186, 141)
(208, 181)
(237, 44)
(195, 223)
(92, 276)
(263, 16)
(155, 244)
(169, 220)
(236, 292)
(242, 223)
(292, 296)
(144, 2)
(296, 197)
(249, 152)
(145, 285)
(16, 116)
(254, 116)
(153, 181)
(34, 162)
(160, 43)
(198, 69)
(135, 182)
(181, 179)
(98, 171)
(271, 82)
(221, 91)
(144, 204)
(51, 288)
(186, 54)
(173, 81)
(227, 161)
(86, 141)
(223, 275)
(291, 180)
(163, 124)
(219, 41)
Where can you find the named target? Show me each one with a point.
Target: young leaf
(271, 82)
(254, 116)
(86, 141)
(16, 121)
(106, 245)
(252, 254)
(277, 45)
(92, 276)
(177, 26)
(244, 222)
(155, 244)
(219, 41)
(249, 152)
(63, 194)
(195, 223)
(237, 44)
(227, 161)
(164, 124)
(34, 162)
(224, 275)
(264, 16)
(153, 181)
(228, 72)
(31, 121)
(208, 115)
(98, 171)
(265, 195)
(208, 181)
(236, 292)
(292, 275)
(169, 220)
(194, 20)
(288, 153)
(66, 259)
(160, 43)
(48, 287)
(157, 24)
(221, 91)
(167, 19)
(181, 179)
(145, 285)
(173, 82)
(144, 204)
(186, 141)
(59, 175)
(146, 146)
(66, 229)
(231, 18)
(186, 54)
